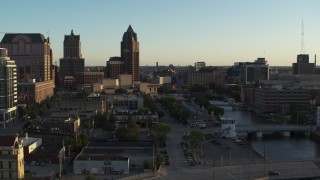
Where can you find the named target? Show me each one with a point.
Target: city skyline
(179, 32)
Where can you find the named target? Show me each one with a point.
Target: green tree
(33, 110)
(218, 112)
(83, 139)
(90, 177)
(160, 113)
(198, 88)
(159, 160)
(120, 91)
(129, 133)
(195, 138)
(159, 132)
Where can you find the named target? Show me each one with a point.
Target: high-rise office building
(252, 72)
(130, 53)
(8, 88)
(33, 57)
(199, 65)
(302, 66)
(72, 62)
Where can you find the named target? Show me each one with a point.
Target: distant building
(67, 125)
(84, 108)
(302, 66)
(125, 81)
(113, 157)
(199, 65)
(11, 158)
(33, 58)
(124, 103)
(164, 80)
(110, 83)
(8, 88)
(252, 72)
(200, 78)
(130, 53)
(72, 62)
(115, 67)
(91, 77)
(35, 91)
(100, 161)
(279, 99)
(149, 88)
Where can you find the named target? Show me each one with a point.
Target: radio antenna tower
(302, 40)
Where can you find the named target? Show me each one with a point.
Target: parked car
(216, 142)
(33, 163)
(274, 173)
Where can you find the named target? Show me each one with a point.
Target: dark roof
(130, 29)
(120, 144)
(100, 154)
(35, 37)
(7, 140)
(115, 58)
(72, 37)
(129, 33)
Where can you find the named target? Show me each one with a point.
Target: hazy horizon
(178, 32)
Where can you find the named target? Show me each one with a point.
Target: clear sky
(178, 32)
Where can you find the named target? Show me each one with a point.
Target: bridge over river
(259, 129)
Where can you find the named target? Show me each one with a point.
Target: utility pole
(264, 157)
(213, 164)
(230, 152)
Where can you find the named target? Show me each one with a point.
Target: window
(28, 70)
(9, 165)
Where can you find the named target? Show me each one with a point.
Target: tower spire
(302, 40)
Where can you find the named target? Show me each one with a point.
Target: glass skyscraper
(8, 88)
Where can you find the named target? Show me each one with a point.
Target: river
(275, 148)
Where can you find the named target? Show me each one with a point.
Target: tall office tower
(302, 66)
(252, 72)
(199, 65)
(72, 62)
(33, 57)
(130, 53)
(8, 88)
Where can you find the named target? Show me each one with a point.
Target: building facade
(35, 91)
(302, 66)
(130, 53)
(72, 62)
(11, 158)
(8, 88)
(252, 72)
(199, 65)
(124, 103)
(115, 67)
(269, 100)
(33, 58)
